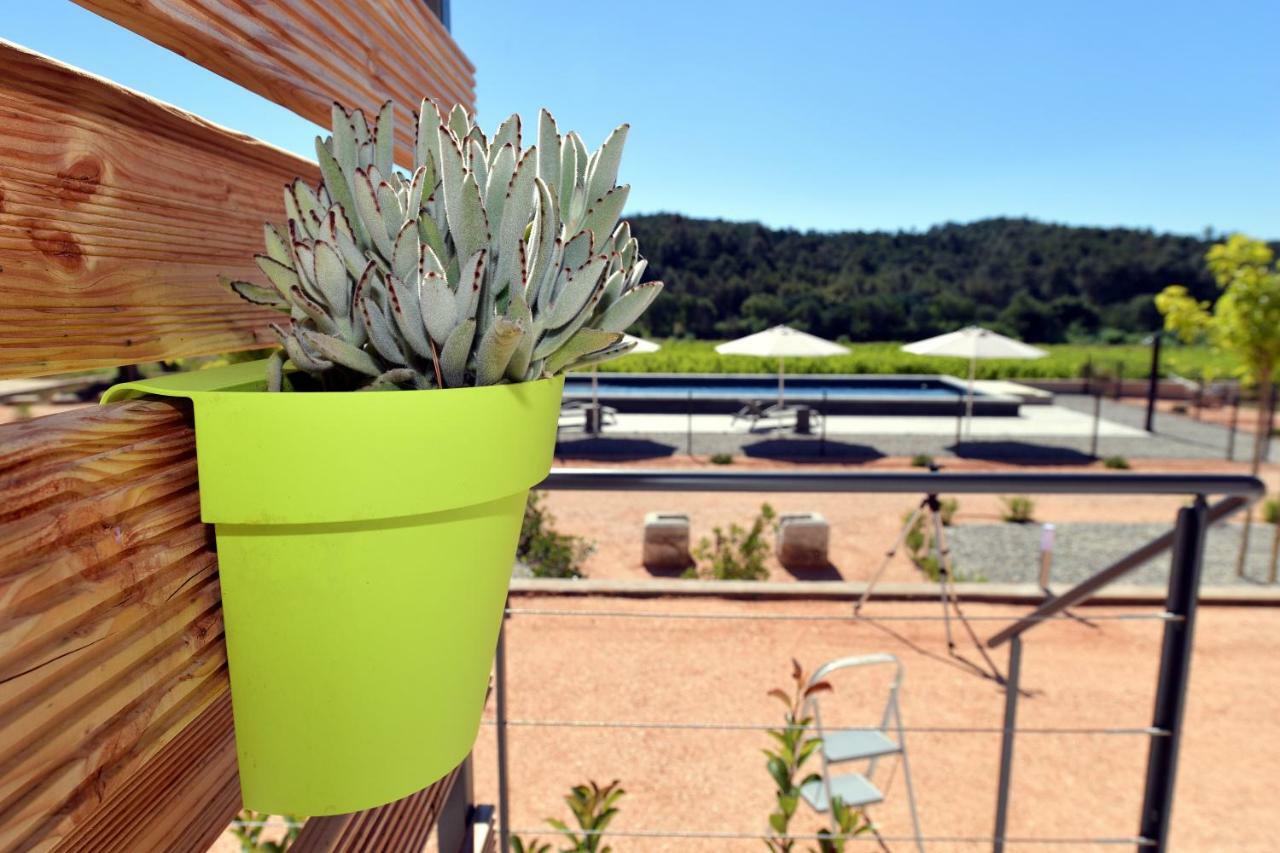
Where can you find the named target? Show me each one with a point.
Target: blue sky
(847, 115)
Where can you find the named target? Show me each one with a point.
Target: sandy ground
(863, 527)
(1065, 785)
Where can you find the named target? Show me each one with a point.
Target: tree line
(1038, 281)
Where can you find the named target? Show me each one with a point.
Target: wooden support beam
(305, 54)
(399, 827)
(117, 214)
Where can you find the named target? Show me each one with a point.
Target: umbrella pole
(782, 394)
(968, 405)
(595, 401)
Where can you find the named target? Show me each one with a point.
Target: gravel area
(1176, 436)
(1009, 553)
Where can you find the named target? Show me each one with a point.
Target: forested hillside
(1041, 282)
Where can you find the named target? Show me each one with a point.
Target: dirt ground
(1064, 785)
(863, 527)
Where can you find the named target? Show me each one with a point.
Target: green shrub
(547, 552)
(947, 508)
(794, 745)
(1271, 511)
(722, 459)
(594, 807)
(738, 555)
(249, 828)
(1019, 509)
(921, 460)
(1064, 360)
(1117, 462)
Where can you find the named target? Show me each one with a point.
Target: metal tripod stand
(946, 583)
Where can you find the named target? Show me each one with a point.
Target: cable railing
(1186, 541)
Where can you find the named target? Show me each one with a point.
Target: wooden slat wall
(115, 715)
(117, 213)
(110, 621)
(305, 54)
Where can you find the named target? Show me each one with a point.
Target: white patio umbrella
(782, 342)
(641, 347)
(973, 343)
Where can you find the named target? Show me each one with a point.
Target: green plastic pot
(365, 544)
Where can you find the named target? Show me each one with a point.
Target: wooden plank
(110, 626)
(115, 726)
(399, 827)
(305, 54)
(117, 214)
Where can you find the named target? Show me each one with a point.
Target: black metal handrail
(924, 482)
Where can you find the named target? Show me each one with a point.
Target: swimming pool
(704, 393)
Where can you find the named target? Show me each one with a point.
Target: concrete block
(666, 541)
(803, 540)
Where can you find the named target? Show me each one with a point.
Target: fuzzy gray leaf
(381, 335)
(494, 353)
(580, 286)
(385, 138)
(331, 279)
(439, 306)
(604, 175)
(548, 149)
(257, 294)
(283, 276)
(405, 255)
(407, 314)
(583, 342)
(453, 359)
(628, 308)
(370, 214)
(603, 214)
(335, 181)
(340, 352)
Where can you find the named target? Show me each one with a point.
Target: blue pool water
(798, 390)
(832, 394)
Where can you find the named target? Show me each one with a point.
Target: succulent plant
(488, 263)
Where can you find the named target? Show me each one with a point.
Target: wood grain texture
(399, 827)
(115, 723)
(117, 214)
(110, 624)
(305, 54)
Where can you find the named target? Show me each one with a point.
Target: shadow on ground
(826, 573)
(802, 450)
(613, 448)
(1020, 453)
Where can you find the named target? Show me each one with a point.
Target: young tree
(1245, 320)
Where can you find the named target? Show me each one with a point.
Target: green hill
(1038, 281)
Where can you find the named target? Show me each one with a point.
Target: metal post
(822, 441)
(453, 826)
(1153, 382)
(500, 698)
(1235, 422)
(688, 435)
(1097, 421)
(1011, 681)
(1175, 671)
(1119, 389)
